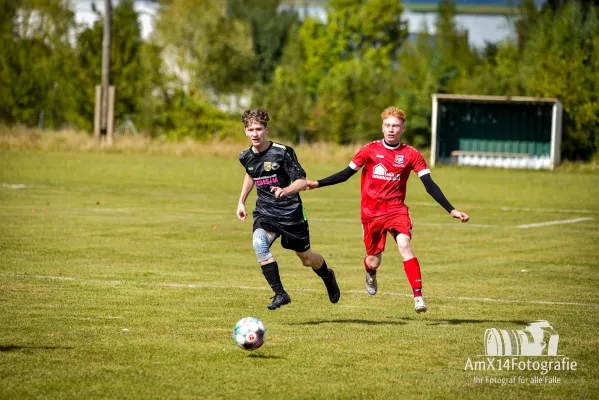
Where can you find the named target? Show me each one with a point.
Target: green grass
(99, 242)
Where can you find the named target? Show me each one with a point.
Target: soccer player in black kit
(278, 176)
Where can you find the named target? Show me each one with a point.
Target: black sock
(323, 271)
(271, 273)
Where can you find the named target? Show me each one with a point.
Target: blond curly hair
(393, 112)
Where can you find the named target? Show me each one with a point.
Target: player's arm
(246, 188)
(334, 179)
(296, 173)
(435, 191)
(356, 163)
(296, 186)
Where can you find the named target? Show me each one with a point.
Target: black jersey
(275, 166)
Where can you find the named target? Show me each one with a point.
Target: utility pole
(106, 67)
(105, 94)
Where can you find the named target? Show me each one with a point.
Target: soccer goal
(496, 131)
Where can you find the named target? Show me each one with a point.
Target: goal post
(496, 131)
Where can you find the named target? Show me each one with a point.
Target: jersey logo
(267, 166)
(275, 166)
(266, 180)
(399, 160)
(379, 156)
(380, 172)
(250, 168)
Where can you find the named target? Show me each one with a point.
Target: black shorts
(294, 236)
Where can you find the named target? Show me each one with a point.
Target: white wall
(481, 28)
(86, 16)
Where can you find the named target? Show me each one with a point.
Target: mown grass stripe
(212, 286)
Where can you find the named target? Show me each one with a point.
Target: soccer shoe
(333, 287)
(371, 284)
(419, 305)
(279, 300)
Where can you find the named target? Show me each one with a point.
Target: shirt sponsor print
(266, 180)
(380, 172)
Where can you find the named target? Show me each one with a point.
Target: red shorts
(375, 232)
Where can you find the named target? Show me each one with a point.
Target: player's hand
(311, 184)
(241, 214)
(279, 192)
(460, 215)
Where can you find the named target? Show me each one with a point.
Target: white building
(85, 14)
(481, 28)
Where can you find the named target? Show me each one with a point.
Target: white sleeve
(353, 166)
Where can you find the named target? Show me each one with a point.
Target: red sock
(412, 269)
(368, 269)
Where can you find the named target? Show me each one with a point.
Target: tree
(270, 28)
(187, 114)
(130, 75)
(36, 62)
(350, 100)
(499, 73)
(555, 5)
(206, 47)
(341, 70)
(421, 73)
(451, 41)
(287, 97)
(526, 19)
(432, 64)
(318, 54)
(561, 59)
(369, 28)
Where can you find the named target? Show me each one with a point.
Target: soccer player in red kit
(386, 167)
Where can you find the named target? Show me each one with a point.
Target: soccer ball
(249, 333)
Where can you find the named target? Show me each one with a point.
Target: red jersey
(385, 176)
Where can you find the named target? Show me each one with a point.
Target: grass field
(122, 276)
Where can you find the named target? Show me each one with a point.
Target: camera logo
(538, 339)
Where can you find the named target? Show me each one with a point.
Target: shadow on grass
(350, 321)
(12, 347)
(264, 356)
(458, 321)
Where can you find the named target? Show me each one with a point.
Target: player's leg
(412, 269)
(264, 235)
(374, 237)
(296, 237)
(319, 266)
(371, 264)
(401, 227)
(410, 262)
